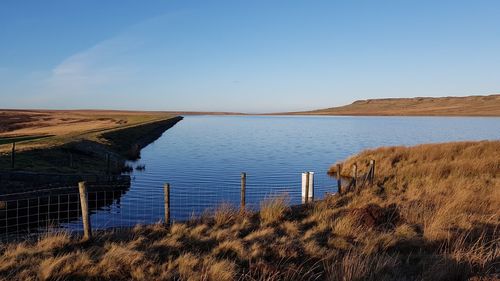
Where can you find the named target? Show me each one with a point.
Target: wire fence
(26, 215)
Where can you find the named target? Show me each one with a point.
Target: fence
(355, 182)
(92, 206)
(28, 214)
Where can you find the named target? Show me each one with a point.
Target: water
(202, 158)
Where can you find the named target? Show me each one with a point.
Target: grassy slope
(87, 140)
(63, 126)
(432, 215)
(446, 106)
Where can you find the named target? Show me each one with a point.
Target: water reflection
(35, 211)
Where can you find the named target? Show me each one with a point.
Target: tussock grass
(225, 214)
(273, 210)
(432, 214)
(439, 187)
(355, 266)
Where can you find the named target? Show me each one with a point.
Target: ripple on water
(202, 158)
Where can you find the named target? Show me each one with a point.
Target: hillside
(432, 214)
(420, 106)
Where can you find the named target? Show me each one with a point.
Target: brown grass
(441, 187)
(433, 214)
(445, 106)
(273, 210)
(66, 125)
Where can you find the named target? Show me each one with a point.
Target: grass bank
(432, 214)
(83, 149)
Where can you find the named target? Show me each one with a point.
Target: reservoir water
(202, 158)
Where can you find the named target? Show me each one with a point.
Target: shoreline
(94, 153)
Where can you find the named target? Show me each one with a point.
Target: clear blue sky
(250, 56)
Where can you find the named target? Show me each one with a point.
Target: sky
(243, 56)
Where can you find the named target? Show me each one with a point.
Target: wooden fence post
(13, 156)
(243, 190)
(87, 230)
(372, 171)
(307, 188)
(354, 175)
(166, 193)
(339, 180)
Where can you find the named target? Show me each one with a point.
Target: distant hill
(420, 106)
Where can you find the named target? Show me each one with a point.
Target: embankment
(91, 154)
(129, 141)
(431, 214)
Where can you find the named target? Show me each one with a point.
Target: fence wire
(28, 214)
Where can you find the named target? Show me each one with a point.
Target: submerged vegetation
(433, 213)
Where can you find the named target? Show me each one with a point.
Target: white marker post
(310, 187)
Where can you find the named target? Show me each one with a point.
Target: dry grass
(445, 106)
(273, 210)
(65, 125)
(440, 187)
(433, 214)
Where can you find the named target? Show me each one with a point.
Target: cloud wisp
(91, 70)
